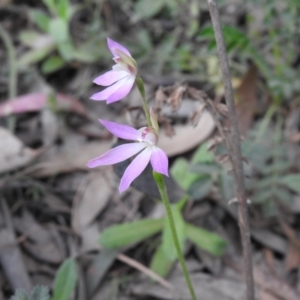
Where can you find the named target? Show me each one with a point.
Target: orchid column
(120, 80)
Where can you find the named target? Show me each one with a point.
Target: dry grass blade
(133, 263)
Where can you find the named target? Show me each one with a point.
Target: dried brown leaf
(222, 109)
(43, 243)
(13, 153)
(247, 101)
(10, 254)
(94, 199)
(71, 156)
(187, 137)
(160, 97)
(197, 115)
(292, 258)
(175, 99)
(215, 141)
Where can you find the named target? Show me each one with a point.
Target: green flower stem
(141, 87)
(159, 179)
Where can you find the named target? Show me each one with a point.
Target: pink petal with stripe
(110, 77)
(112, 45)
(116, 155)
(136, 167)
(106, 93)
(159, 161)
(123, 91)
(122, 131)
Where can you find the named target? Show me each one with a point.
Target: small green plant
(54, 47)
(279, 25)
(122, 235)
(38, 293)
(64, 285)
(269, 179)
(196, 176)
(272, 181)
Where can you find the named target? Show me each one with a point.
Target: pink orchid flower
(146, 147)
(121, 78)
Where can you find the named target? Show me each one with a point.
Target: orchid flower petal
(159, 161)
(120, 79)
(123, 91)
(103, 95)
(116, 155)
(113, 46)
(122, 131)
(110, 77)
(136, 167)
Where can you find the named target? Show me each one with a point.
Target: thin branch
(235, 155)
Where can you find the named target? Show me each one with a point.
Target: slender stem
(12, 88)
(141, 87)
(159, 179)
(235, 155)
(12, 63)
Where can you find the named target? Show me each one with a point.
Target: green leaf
(267, 182)
(161, 263)
(262, 196)
(144, 10)
(62, 9)
(201, 188)
(86, 55)
(40, 293)
(270, 209)
(205, 169)
(181, 174)
(52, 102)
(206, 240)
(66, 50)
(126, 234)
(234, 38)
(144, 40)
(207, 32)
(90, 51)
(181, 203)
(51, 5)
(29, 37)
(276, 167)
(167, 237)
(41, 19)
(227, 185)
(52, 64)
(20, 295)
(202, 155)
(34, 56)
(292, 181)
(65, 280)
(58, 28)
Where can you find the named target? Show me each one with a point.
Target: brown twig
(235, 154)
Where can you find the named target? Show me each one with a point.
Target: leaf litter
(57, 208)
